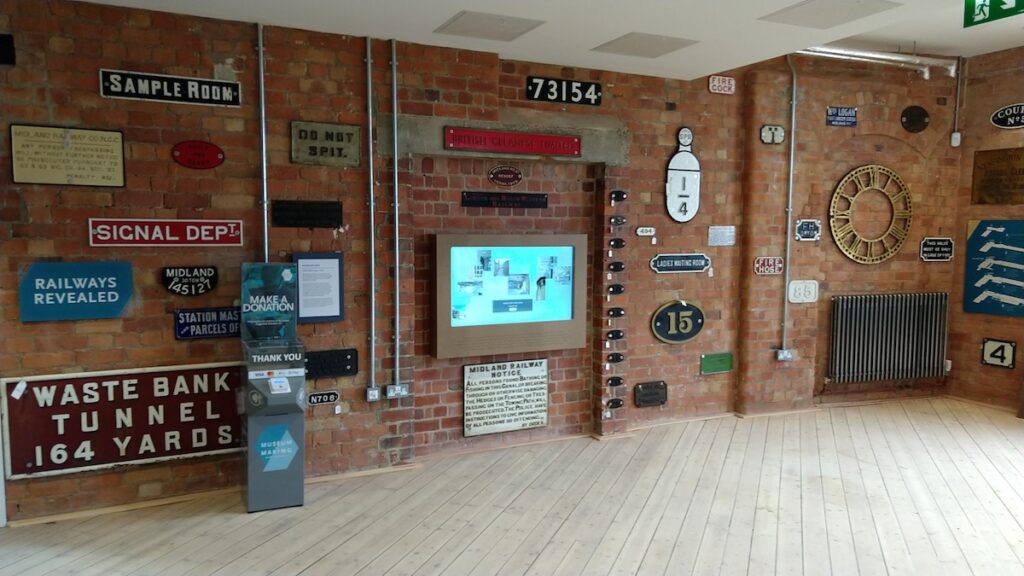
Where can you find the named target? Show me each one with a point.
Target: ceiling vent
(825, 14)
(643, 45)
(487, 26)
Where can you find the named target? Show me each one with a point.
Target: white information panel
(505, 396)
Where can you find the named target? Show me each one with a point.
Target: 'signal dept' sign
(141, 232)
(505, 396)
(69, 423)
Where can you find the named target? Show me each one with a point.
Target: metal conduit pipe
(265, 202)
(372, 207)
(922, 63)
(394, 160)
(784, 352)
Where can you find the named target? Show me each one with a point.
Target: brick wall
(992, 81)
(321, 77)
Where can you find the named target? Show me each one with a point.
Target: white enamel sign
(803, 291)
(682, 184)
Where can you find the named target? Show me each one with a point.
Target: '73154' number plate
(563, 91)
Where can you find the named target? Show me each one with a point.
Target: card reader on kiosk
(275, 393)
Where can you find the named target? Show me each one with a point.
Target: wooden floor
(917, 487)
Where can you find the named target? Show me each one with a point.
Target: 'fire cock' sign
(64, 423)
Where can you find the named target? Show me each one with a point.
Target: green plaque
(716, 363)
(984, 11)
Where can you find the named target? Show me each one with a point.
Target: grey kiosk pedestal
(275, 405)
(275, 390)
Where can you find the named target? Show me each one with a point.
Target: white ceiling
(728, 33)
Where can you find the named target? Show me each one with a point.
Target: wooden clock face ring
(867, 179)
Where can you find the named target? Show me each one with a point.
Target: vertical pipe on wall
(372, 207)
(394, 183)
(264, 204)
(789, 209)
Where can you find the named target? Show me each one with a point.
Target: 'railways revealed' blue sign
(74, 290)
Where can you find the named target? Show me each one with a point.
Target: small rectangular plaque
(325, 144)
(469, 139)
(164, 88)
(197, 323)
(843, 116)
(650, 394)
(716, 363)
(998, 177)
(305, 214)
(328, 363)
(563, 91)
(503, 200)
(505, 396)
(66, 156)
(721, 236)
(936, 249)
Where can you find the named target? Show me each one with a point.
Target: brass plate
(998, 177)
(872, 177)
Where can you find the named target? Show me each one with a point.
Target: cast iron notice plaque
(563, 91)
(143, 232)
(1009, 117)
(189, 280)
(163, 88)
(76, 422)
(998, 177)
(769, 265)
(66, 156)
(808, 230)
(503, 200)
(675, 263)
(936, 249)
(650, 394)
(325, 144)
(305, 214)
(472, 140)
(505, 175)
(505, 396)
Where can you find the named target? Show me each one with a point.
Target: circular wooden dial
(861, 183)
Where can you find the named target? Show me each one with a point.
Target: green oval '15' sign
(677, 322)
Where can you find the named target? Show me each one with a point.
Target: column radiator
(888, 337)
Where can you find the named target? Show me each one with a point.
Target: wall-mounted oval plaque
(197, 154)
(1009, 117)
(189, 280)
(677, 322)
(505, 175)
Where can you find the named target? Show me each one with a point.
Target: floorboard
(913, 487)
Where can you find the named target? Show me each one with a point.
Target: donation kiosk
(275, 390)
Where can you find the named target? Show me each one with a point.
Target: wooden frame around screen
(466, 341)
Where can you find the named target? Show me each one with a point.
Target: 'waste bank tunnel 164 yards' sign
(72, 422)
(51, 291)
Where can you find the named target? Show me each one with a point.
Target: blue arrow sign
(74, 290)
(673, 263)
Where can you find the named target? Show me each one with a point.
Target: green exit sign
(985, 11)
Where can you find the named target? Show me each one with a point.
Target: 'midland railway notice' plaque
(505, 396)
(998, 177)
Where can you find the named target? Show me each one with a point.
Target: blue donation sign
(268, 302)
(994, 274)
(195, 323)
(74, 291)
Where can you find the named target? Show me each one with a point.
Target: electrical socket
(607, 414)
(373, 394)
(949, 365)
(785, 355)
(397, 390)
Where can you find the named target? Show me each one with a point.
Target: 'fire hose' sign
(68, 423)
